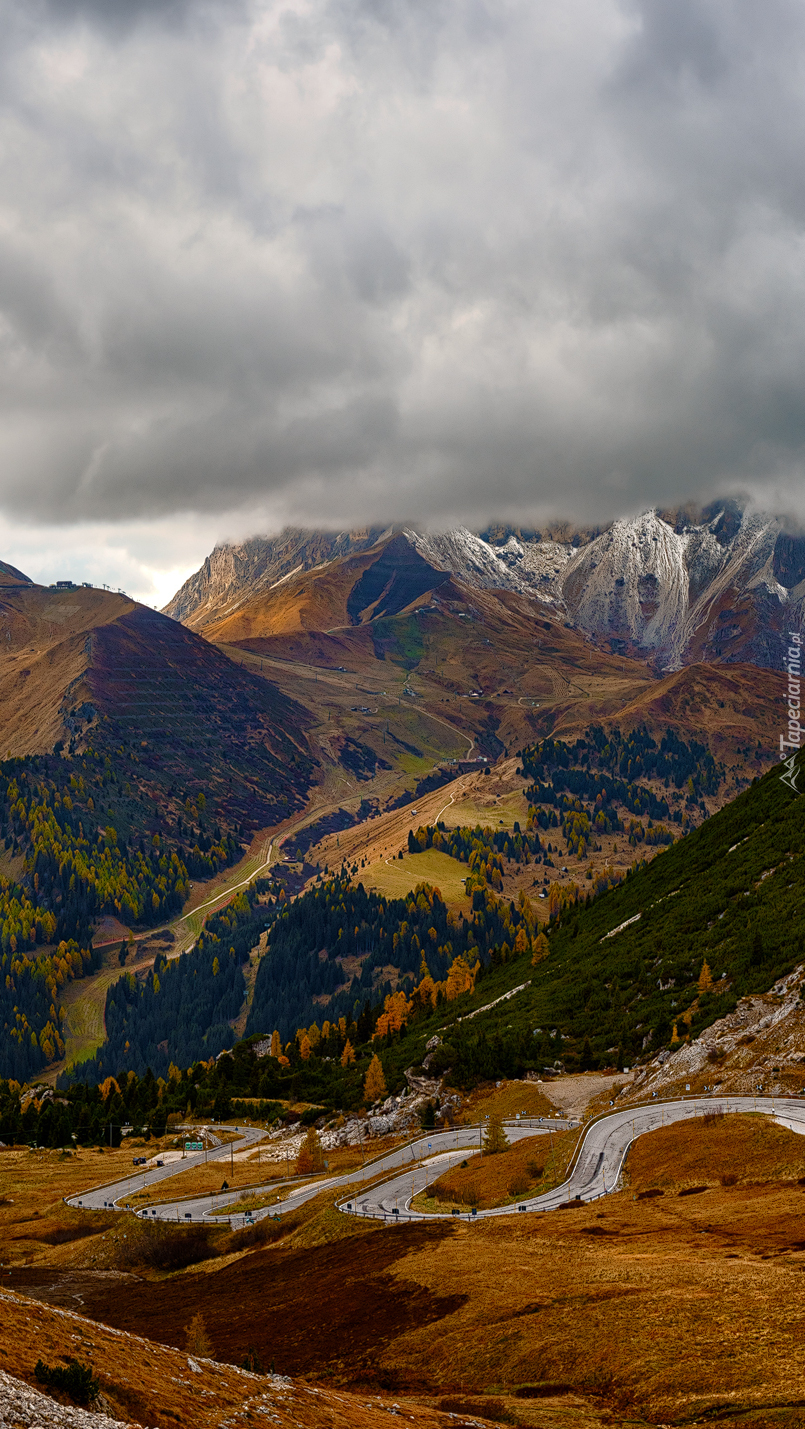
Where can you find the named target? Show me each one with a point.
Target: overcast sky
(325, 263)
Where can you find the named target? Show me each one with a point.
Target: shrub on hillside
(263, 1232)
(167, 1247)
(76, 1379)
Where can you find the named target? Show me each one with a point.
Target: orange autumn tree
(398, 1010)
(311, 1154)
(395, 1013)
(374, 1088)
(460, 978)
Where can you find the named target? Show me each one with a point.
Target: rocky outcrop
(396, 1116)
(761, 1043)
(24, 1408)
(233, 573)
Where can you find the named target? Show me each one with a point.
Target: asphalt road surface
(595, 1172)
(458, 1141)
(597, 1168)
(114, 1196)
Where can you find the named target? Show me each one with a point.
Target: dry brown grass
(35, 1224)
(661, 1309)
(536, 1164)
(647, 1308)
(529, 1098)
(749, 1150)
(150, 1383)
(669, 1307)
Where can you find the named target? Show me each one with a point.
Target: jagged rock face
(631, 584)
(722, 586)
(232, 574)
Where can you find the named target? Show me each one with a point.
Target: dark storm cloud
(115, 17)
(348, 261)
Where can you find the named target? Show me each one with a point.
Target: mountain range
(722, 585)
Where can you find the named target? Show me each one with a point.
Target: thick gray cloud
(370, 259)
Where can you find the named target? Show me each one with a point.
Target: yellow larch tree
(374, 1088)
(541, 949)
(311, 1154)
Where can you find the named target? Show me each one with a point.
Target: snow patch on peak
(467, 556)
(529, 567)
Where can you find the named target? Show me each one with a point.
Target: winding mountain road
(595, 1171)
(118, 1195)
(598, 1163)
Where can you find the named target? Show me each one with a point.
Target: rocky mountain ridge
(722, 585)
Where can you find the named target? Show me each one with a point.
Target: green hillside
(672, 948)
(627, 967)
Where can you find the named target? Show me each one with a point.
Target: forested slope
(621, 974)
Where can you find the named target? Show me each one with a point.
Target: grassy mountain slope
(88, 667)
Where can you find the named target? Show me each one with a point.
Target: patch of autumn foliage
(399, 1009)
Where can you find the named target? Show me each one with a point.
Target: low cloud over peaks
(372, 261)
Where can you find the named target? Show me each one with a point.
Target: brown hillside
(232, 574)
(495, 663)
(45, 652)
(143, 1382)
(536, 676)
(381, 582)
(307, 601)
(89, 665)
(726, 705)
(10, 576)
(388, 610)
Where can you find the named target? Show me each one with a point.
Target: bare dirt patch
(575, 1095)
